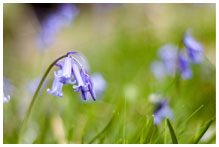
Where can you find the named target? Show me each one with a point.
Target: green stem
(35, 96)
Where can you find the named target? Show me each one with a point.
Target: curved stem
(35, 96)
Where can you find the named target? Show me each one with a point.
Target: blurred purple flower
(72, 72)
(184, 66)
(158, 69)
(167, 64)
(55, 22)
(6, 99)
(168, 54)
(7, 90)
(162, 111)
(32, 85)
(194, 48)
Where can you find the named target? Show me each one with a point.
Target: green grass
(121, 44)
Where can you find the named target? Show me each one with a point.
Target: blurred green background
(120, 41)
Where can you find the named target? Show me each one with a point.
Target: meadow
(119, 43)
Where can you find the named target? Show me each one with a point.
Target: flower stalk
(35, 97)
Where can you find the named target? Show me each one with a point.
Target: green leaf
(203, 131)
(172, 133)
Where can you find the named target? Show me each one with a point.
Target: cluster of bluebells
(71, 71)
(55, 22)
(162, 109)
(173, 60)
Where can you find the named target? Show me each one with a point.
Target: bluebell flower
(56, 22)
(72, 72)
(162, 111)
(184, 66)
(194, 48)
(168, 55)
(57, 85)
(84, 82)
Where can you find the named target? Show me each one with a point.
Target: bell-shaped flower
(66, 71)
(84, 83)
(57, 85)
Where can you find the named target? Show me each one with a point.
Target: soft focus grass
(120, 43)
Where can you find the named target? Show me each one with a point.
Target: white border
(97, 1)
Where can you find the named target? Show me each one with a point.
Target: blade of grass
(104, 129)
(70, 134)
(191, 115)
(203, 132)
(172, 133)
(159, 135)
(149, 130)
(136, 136)
(141, 137)
(165, 132)
(83, 135)
(181, 128)
(154, 133)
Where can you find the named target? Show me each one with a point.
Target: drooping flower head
(72, 72)
(194, 48)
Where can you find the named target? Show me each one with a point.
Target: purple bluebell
(72, 72)
(184, 66)
(162, 111)
(57, 85)
(168, 55)
(55, 22)
(84, 82)
(195, 49)
(66, 71)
